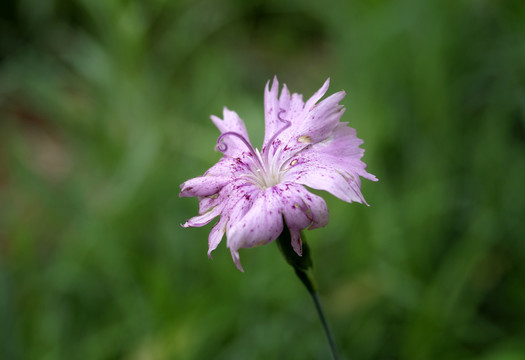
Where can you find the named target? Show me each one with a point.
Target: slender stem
(327, 332)
(304, 269)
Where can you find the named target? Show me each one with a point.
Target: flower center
(265, 171)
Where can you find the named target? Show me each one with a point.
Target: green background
(104, 111)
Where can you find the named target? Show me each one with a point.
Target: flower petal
(232, 123)
(236, 259)
(226, 170)
(318, 210)
(310, 123)
(317, 95)
(271, 110)
(237, 200)
(234, 219)
(232, 167)
(284, 99)
(297, 243)
(303, 209)
(323, 177)
(296, 107)
(315, 126)
(219, 203)
(321, 119)
(295, 215)
(207, 202)
(261, 224)
(203, 219)
(215, 237)
(203, 185)
(341, 151)
(333, 165)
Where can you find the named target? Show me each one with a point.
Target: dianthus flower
(305, 144)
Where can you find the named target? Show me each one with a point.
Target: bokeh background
(104, 111)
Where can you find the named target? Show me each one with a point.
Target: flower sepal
(302, 264)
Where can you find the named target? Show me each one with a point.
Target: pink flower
(251, 190)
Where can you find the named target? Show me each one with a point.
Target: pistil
(266, 173)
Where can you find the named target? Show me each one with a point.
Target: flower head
(305, 144)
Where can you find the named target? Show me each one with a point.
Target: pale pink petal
(295, 214)
(284, 99)
(261, 224)
(236, 200)
(293, 206)
(236, 259)
(303, 209)
(296, 108)
(317, 96)
(203, 219)
(333, 165)
(321, 177)
(215, 237)
(281, 114)
(209, 183)
(207, 202)
(310, 123)
(203, 185)
(234, 215)
(223, 172)
(316, 126)
(344, 142)
(271, 110)
(297, 243)
(321, 120)
(318, 210)
(232, 123)
(340, 151)
(228, 166)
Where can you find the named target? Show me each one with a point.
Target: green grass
(104, 111)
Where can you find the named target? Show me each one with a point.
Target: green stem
(303, 267)
(327, 332)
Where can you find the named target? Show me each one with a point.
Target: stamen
(265, 172)
(222, 147)
(293, 162)
(287, 124)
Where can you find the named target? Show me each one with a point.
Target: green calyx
(303, 264)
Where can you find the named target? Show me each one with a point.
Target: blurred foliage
(104, 111)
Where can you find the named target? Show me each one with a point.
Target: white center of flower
(266, 169)
(266, 172)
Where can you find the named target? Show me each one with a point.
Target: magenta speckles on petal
(252, 191)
